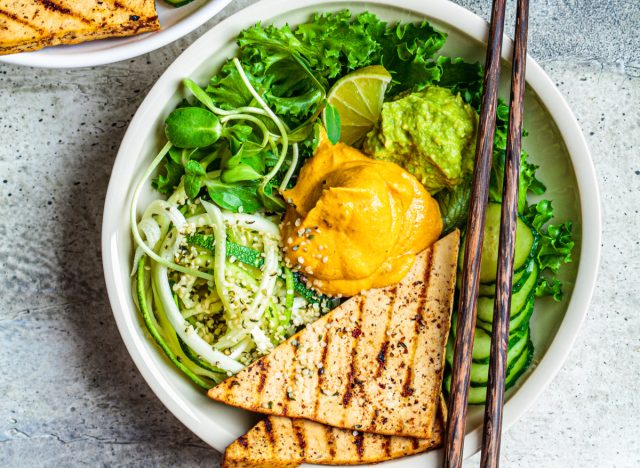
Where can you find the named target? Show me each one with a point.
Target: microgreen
(332, 122)
(192, 127)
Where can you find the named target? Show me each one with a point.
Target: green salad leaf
(332, 121)
(192, 127)
(454, 206)
(169, 178)
(549, 287)
(462, 78)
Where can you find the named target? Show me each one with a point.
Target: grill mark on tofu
(292, 378)
(300, 437)
(323, 361)
(22, 21)
(134, 16)
(264, 370)
(386, 446)
(358, 441)
(268, 427)
(331, 442)
(382, 354)
(349, 389)
(50, 5)
(407, 390)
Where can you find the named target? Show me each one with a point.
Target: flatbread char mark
(27, 25)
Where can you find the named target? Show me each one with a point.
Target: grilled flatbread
(27, 25)
(374, 364)
(285, 442)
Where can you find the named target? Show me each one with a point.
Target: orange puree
(355, 223)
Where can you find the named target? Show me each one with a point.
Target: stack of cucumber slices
(525, 279)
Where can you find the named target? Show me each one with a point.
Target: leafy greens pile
(292, 70)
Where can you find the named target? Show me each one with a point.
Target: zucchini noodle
(215, 215)
(134, 225)
(185, 330)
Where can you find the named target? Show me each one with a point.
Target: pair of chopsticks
(473, 248)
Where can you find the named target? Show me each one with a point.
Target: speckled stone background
(71, 396)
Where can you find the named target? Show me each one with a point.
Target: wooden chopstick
(454, 442)
(492, 428)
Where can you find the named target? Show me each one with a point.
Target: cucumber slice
(519, 367)
(478, 394)
(481, 343)
(518, 321)
(520, 277)
(518, 299)
(525, 240)
(480, 372)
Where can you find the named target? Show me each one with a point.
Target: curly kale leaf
(549, 287)
(462, 78)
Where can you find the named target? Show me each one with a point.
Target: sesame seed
(300, 260)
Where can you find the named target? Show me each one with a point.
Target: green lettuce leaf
(454, 205)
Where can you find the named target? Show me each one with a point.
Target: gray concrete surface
(71, 396)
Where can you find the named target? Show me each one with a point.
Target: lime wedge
(358, 97)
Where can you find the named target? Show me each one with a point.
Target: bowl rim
(472, 25)
(146, 42)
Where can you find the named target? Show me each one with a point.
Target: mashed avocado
(431, 133)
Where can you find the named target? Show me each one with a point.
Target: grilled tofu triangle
(374, 364)
(27, 25)
(286, 442)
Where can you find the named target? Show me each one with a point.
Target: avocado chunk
(430, 133)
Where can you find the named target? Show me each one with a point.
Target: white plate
(555, 142)
(174, 23)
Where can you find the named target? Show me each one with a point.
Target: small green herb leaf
(192, 127)
(233, 196)
(192, 185)
(194, 168)
(239, 173)
(332, 122)
(199, 93)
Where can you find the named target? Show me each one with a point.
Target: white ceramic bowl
(174, 23)
(555, 142)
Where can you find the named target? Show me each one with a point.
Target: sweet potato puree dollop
(355, 223)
